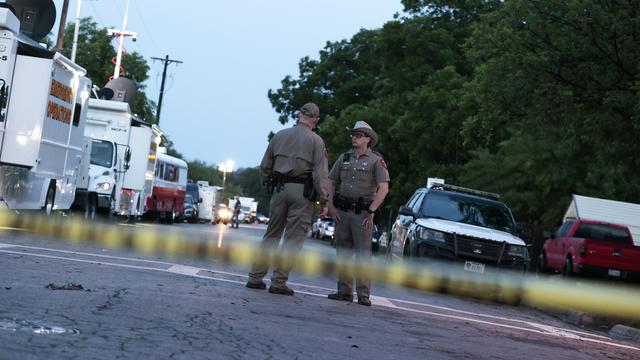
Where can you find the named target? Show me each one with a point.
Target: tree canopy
(532, 99)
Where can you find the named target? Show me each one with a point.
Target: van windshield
(102, 153)
(468, 210)
(192, 189)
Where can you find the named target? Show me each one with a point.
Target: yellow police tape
(620, 301)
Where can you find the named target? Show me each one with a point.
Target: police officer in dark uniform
(295, 168)
(235, 221)
(364, 183)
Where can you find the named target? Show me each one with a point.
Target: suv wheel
(542, 263)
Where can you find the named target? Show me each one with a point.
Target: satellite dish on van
(36, 17)
(124, 90)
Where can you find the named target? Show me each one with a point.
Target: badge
(365, 163)
(384, 164)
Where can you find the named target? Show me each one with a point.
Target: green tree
(199, 170)
(556, 90)
(246, 182)
(96, 53)
(171, 149)
(407, 80)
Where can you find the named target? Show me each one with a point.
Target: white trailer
(124, 151)
(210, 196)
(615, 212)
(217, 198)
(42, 118)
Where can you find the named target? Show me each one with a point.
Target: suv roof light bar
(464, 190)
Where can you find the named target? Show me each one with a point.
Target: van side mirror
(127, 158)
(406, 211)
(200, 201)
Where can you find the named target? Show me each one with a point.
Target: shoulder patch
(384, 164)
(326, 153)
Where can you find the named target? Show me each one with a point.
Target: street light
(225, 167)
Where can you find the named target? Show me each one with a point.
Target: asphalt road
(136, 306)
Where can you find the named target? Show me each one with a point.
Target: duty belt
(277, 181)
(347, 204)
(294, 179)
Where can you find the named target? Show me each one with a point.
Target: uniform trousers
(289, 218)
(353, 239)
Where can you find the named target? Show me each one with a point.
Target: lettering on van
(61, 91)
(58, 112)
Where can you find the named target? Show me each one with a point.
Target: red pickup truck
(591, 248)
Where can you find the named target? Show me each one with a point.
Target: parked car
(315, 227)
(326, 230)
(262, 218)
(190, 209)
(458, 224)
(375, 239)
(247, 217)
(591, 248)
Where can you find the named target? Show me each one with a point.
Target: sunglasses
(357, 135)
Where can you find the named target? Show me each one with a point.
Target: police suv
(468, 226)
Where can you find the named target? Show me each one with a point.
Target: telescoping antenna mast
(121, 33)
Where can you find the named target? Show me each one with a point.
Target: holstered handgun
(270, 185)
(359, 205)
(310, 192)
(275, 182)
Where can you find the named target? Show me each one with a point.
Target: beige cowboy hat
(363, 127)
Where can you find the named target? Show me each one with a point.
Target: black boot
(341, 297)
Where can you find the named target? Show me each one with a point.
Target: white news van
(123, 158)
(42, 118)
(211, 196)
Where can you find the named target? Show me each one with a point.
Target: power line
(166, 61)
(144, 25)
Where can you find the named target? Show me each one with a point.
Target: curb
(616, 330)
(623, 332)
(588, 320)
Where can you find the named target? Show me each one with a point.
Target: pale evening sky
(215, 105)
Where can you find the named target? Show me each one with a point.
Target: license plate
(474, 267)
(613, 272)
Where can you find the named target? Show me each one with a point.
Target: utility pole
(63, 22)
(166, 62)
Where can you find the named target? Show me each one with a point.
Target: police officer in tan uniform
(364, 183)
(293, 166)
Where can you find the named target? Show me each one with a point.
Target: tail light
(583, 249)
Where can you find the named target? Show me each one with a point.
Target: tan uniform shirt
(359, 176)
(297, 151)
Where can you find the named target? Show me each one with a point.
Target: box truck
(122, 161)
(43, 98)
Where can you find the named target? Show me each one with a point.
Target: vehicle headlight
(429, 234)
(105, 186)
(517, 250)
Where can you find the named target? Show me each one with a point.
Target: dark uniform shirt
(359, 176)
(294, 152)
